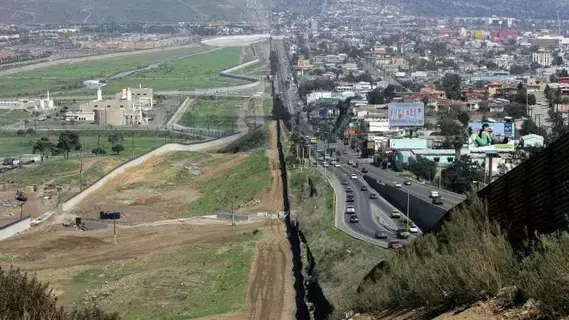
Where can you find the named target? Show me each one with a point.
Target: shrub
(469, 259)
(24, 297)
(544, 274)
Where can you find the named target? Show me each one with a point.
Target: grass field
(188, 282)
(219, 192)
(219, 113)
(15, 145)
(8, 117)
(196, 72)
(71, 75)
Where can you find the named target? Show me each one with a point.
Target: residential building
(542, 58)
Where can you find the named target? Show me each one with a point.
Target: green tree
(274, 61)
(458, 177)
(516, 69)
(99, 151)
(423, 168)
(463, 117)
(451, 85)
(376, 96)
(530, 127)
(531, 99)
(115, 138)
(118, 148)
(44, 147)
(68, 141)
(516, 110)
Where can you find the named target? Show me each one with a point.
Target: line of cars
(436, 198)
(403, 233)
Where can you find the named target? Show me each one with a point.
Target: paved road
(421, 191)
(374, 214)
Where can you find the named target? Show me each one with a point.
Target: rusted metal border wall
(531, 199)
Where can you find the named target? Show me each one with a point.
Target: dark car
(438, 200)
(380, 235)
(407, 183)
(394, 244)
(354, 219)
(350, 198)
(363, 188)
(403, 234)
(373, 196)
(349, 189)
(365, 170)
(344, 183)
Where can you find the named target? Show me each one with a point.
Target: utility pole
(133, 145)
(81, 176)
(408, 217)
(302, 159)
(98, 148)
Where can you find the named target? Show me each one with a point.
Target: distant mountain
(535, 9)
(100, 11)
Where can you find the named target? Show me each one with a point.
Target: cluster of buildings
(30, 105)
(127, 108)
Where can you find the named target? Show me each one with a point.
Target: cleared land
(211, 113)
(165, 269)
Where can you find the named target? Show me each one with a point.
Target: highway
(287, 90)
(418, 190)
(374, 214)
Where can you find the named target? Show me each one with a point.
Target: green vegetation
(220, 192)
(193, 281)
(211, 113)
(195, 72)
(470, 259)
(253, 140)
(341, 261)
(15, 145)
(8, 117)
(24, 297)
(70, 76)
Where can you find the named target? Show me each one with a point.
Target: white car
(337, 165)
(325, 164)
(397, 184)
(433, 194)
(350, 209)
(354, 176)
(413, 229)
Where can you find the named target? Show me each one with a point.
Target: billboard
(499, 130)
(410, 114)
(500, 134)
(303, 64)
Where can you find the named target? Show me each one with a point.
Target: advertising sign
(303, 64)
(410, 114)
(498, 130)
(493, 137)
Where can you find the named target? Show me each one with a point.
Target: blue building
(446, 156)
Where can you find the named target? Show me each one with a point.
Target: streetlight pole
(408, 217)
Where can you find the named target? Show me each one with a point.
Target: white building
(542, 58)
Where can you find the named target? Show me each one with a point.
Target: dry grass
(469, 260)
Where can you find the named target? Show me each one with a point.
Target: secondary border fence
(531, 199)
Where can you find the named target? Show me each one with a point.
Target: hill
(486, 8)
(101, 11)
